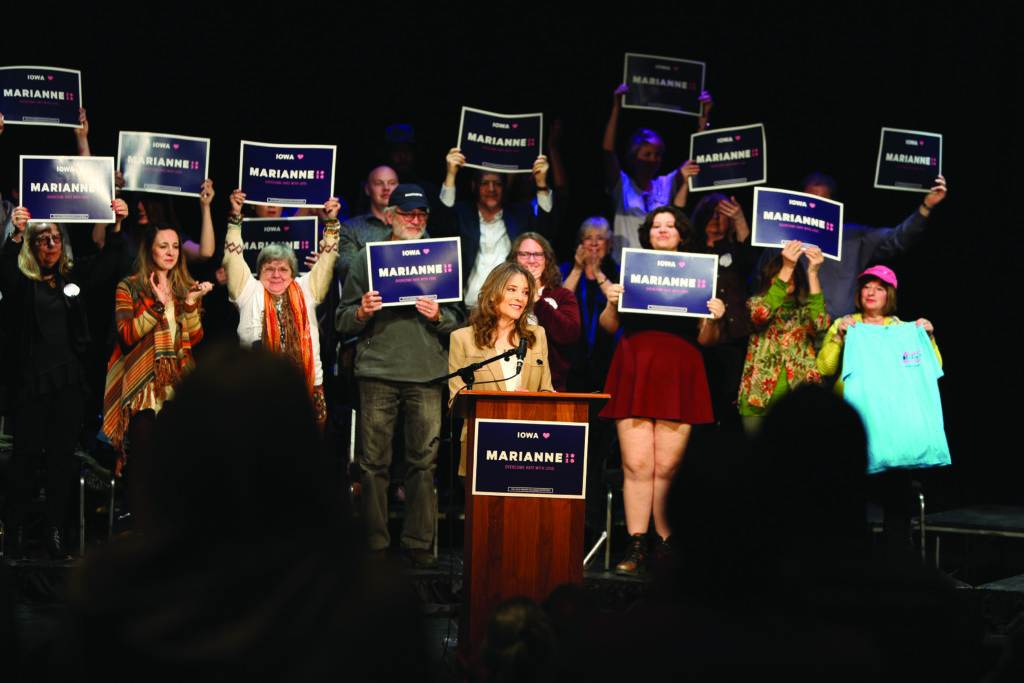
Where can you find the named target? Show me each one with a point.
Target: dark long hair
(770, 270)
(484, 318)
(702, 215)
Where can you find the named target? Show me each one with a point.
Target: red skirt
(658, 375)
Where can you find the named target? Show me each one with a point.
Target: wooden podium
(517, 546)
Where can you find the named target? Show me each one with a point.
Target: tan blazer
(536, 374)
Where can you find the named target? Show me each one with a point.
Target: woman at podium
(499, 323)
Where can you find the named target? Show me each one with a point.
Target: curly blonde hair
(484, 318)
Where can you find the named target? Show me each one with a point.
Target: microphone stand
(467, 374)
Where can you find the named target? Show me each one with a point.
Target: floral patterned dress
(780, 354)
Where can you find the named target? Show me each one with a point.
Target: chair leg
(921, 528)
(437, 511)
(81, 514)
(608, 530)
(110, 509)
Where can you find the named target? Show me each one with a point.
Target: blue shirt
(890, 375)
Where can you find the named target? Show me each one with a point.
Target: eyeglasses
(48, 238)
(413, 216)
(530, 255)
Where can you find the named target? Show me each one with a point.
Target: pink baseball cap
(883, 273)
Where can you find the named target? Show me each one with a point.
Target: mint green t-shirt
(890, 376)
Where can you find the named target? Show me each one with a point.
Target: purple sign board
(406, 270)
(298, 233)
(908, 160)
(40, 95)
(781, 216)
(286, 175)
(667, 282)
(530, 459)
(663, 83)
(68, 189)
(729, 157)
(163, 164)
(506, 143)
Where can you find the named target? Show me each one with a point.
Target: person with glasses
(554, 307)
(398, 352)
(45, 336)
(277, 308)
(487, 225)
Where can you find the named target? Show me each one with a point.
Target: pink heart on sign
(515, 125)
(285, 228)
(810, 204)
(547, 434)
(682, 264)
(175, 145)
(738, 137)
(427, 250)
(49, 78)
(300, 155)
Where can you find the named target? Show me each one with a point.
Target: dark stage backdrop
(823, 85)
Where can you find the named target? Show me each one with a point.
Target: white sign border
(878, 162)
(81, 98)
(779, 245)
(206, 162)
(241, 165)
(625, 76)
(540, 136)
(688, 254)
(369, 267)
(586, 457)
(316, 232)
(21, 186)
(764, 158)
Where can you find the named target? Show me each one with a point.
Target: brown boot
(636, 556)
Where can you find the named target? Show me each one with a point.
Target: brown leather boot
(633, 563)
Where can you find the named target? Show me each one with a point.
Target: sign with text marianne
(663, 83)
(729, 157)
(164, 164)
(68, 189)
(40, 95)
(506, 143)
(908, 160)
(286, 175)
(406, 270)
(299, 233)
(530, 459)
(781, 216)
(667, 282)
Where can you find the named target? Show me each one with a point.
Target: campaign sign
(729, 157)
(68, 189)
(663, 83)
(667, 282)
(908, 160)
(163, 164)
(299, 233)
(286, 175)
(40, 95)
(507, 143)
(530, 459)
(406, 270)
(781, 216)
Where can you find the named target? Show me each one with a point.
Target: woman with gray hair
(44, 337)
(277, 306)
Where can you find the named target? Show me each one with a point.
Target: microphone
(520, 355)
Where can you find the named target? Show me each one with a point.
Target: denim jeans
(380, 402)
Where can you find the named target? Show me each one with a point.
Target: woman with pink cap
(875, 304)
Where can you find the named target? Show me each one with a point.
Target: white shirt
(494, 244)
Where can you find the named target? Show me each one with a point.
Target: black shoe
(663, 554)
(636, 556)
(14, 543)
(55, 545)
(420, 558)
